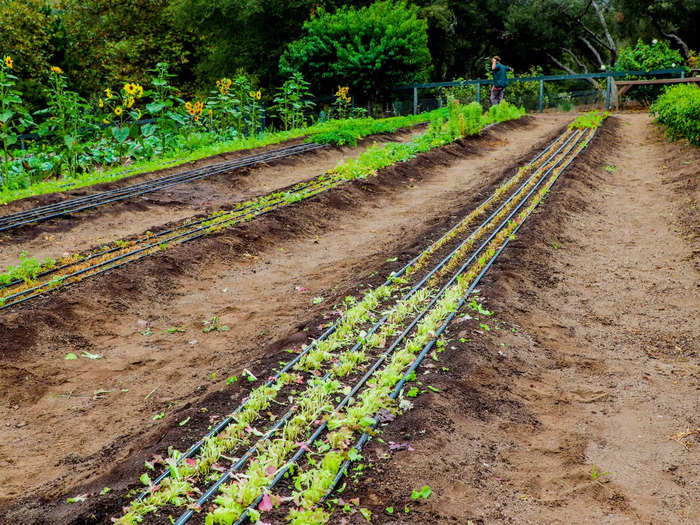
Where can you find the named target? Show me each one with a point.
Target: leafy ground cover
(678, 108)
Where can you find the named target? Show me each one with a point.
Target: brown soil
(590, 361)
(83, 230)
(73, 440)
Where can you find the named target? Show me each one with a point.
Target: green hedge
(678, 108)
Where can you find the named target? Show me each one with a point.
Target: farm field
(82, 230)
(579, 342)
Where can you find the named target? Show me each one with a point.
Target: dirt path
(330, 245)
(590, 362)
(90, 228)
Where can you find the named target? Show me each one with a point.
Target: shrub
(678, 108)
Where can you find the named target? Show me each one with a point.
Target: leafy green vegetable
(423, 493)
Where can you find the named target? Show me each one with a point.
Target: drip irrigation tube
(187, 515)
(328, 332)
(66, 207)
(362, 441)
(186, 236)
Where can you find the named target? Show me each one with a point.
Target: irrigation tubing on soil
(213, 488)
(77, 204)
(63, 276)
(406, 331)
(229, 419)
(186, 233)
(362, 441)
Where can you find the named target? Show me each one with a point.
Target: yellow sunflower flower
(101, 103)
(118, 111)
(108, 93)
(130, 89)
(129, 102)
(105, 121)
(57, 70)
(258, 95)
(252, 94)
(8, 62)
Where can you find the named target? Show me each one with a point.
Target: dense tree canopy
(371, 49)
(101, 41)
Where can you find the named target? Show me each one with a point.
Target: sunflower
(130, 89)
(101, 103)
(105, 121)
(129, 102)
(118, 111)
(8, 62)
(252, 94)
(108, 93)
(57, 70)
(258, 95)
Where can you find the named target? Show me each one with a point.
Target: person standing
(500, 80)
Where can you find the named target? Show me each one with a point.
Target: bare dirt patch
(76, 440)
(578, 401)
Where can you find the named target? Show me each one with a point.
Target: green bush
(371, 49)
(678, 108)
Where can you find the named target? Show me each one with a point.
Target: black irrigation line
(427, 348)
(67, 207)
(188, 514)
(224, 423)
(235, 213)
(362, 441)
(182, 238)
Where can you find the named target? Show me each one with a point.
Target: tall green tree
(370, 49)
(114, 42)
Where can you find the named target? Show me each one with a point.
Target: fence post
(682, 72)
(415, 100)
(541, 95)
(608, 89)
(478, 92)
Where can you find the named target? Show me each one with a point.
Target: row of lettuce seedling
(234, 500)
(313, 484)
(176, 489)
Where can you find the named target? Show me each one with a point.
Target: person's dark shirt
(499, 75)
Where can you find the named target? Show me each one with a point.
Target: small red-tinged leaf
(299, 379)
(355, 501)
(301, 289)
(303, 446)
(270, 471)
(191, 462)
(384, 416)
(265, 504)
(276, 500)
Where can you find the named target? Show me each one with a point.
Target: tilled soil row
(579, 403)
(262, 309)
